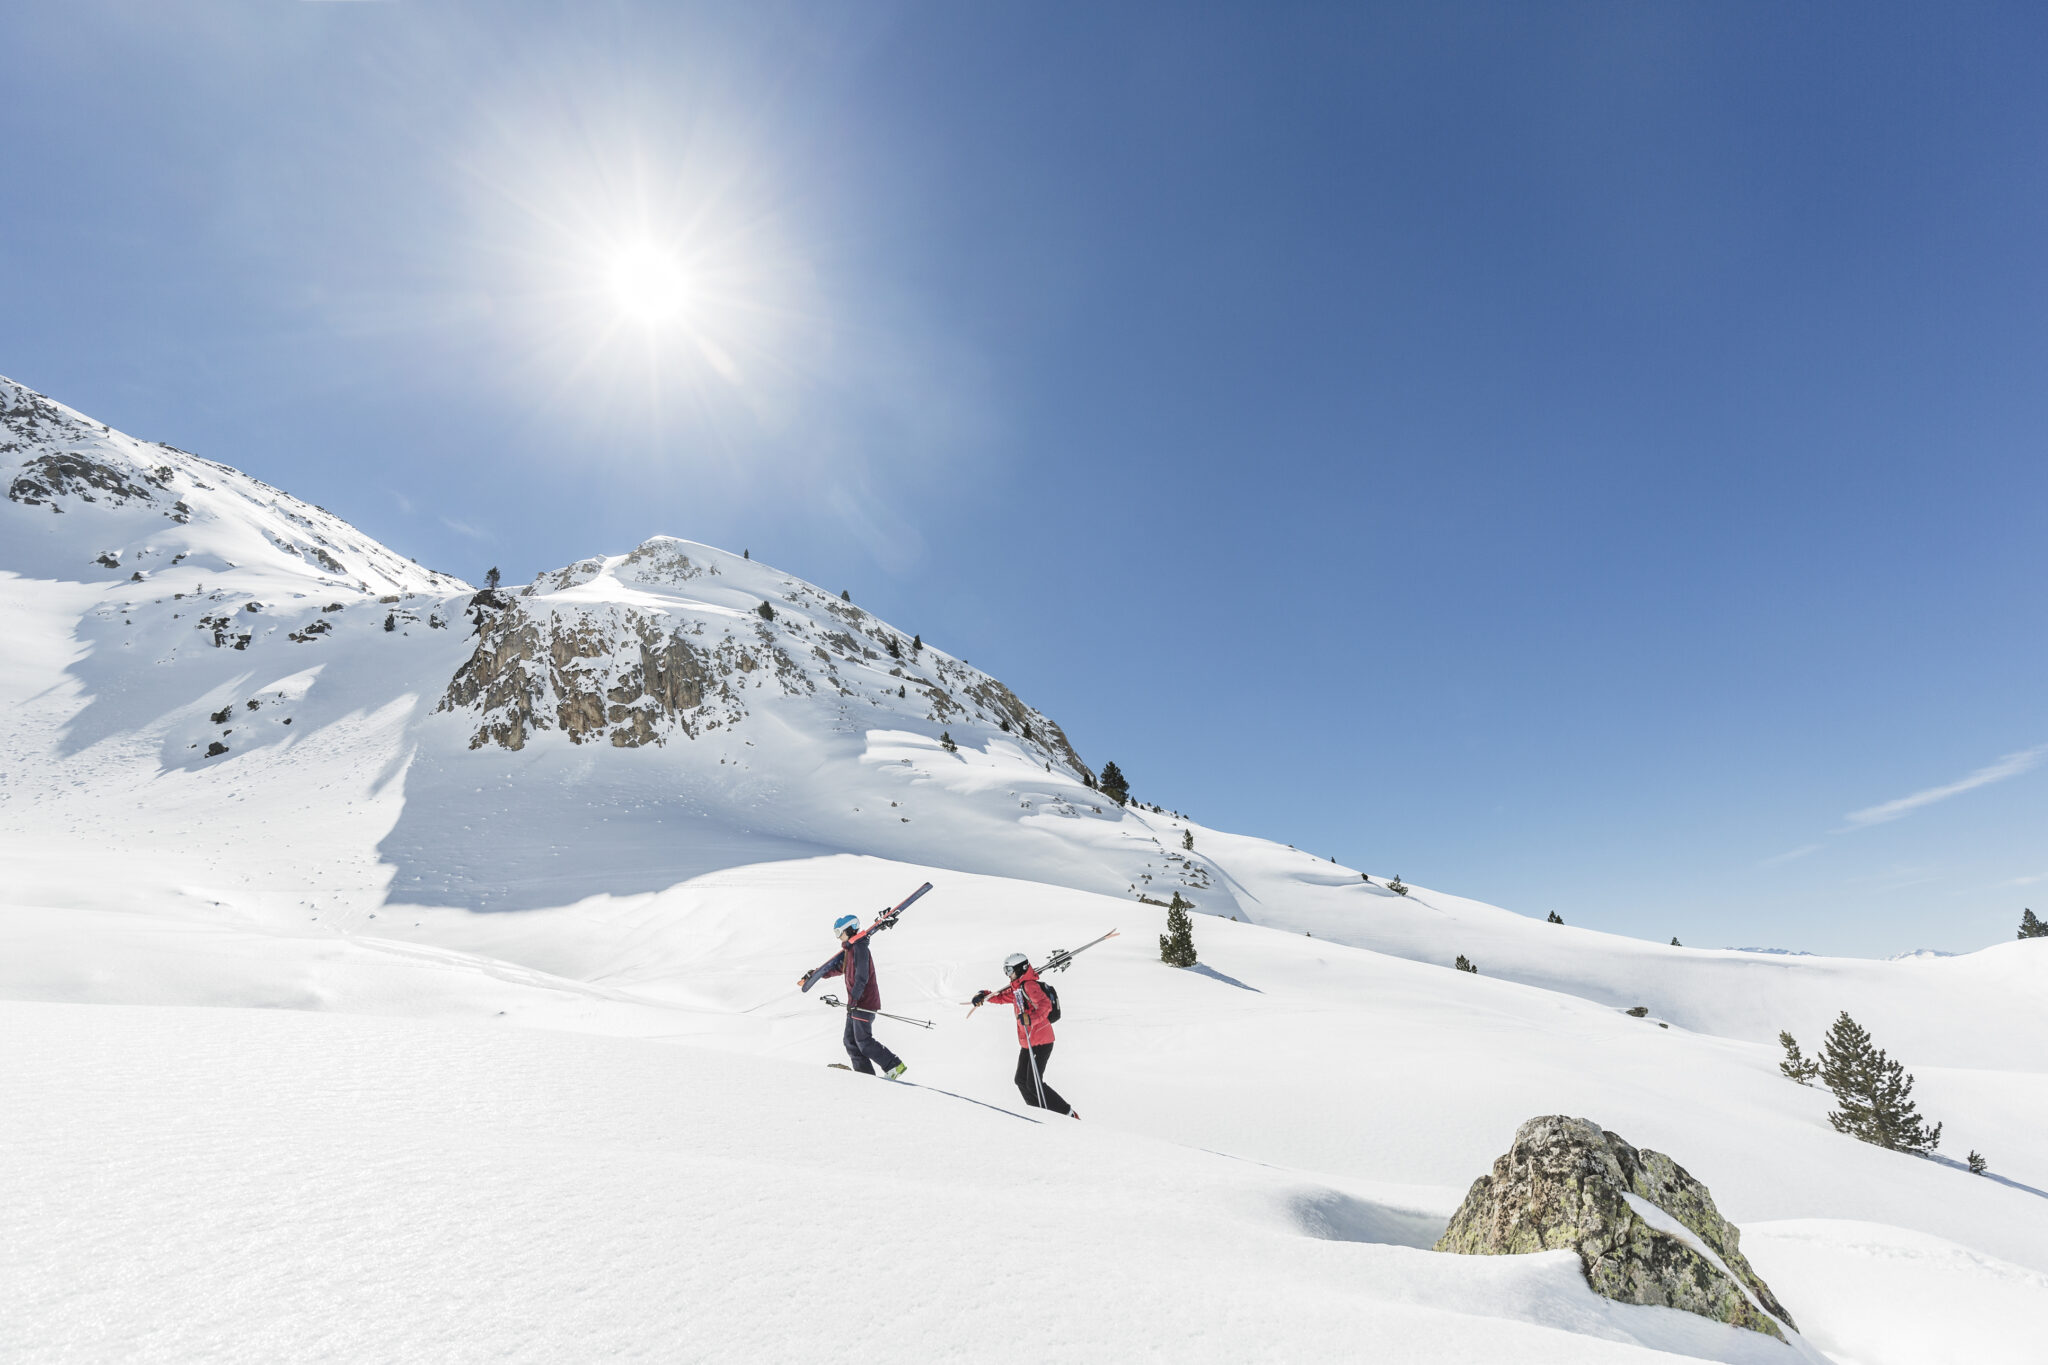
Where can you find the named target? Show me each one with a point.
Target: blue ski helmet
(844, 923)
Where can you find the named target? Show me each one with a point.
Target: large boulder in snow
(1645, 1230)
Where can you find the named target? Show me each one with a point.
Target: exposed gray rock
(613, 673)
(1566, 1182)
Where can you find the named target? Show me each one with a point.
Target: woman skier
(1034, 1032)
(857, 964)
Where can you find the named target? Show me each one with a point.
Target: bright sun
(647, 284)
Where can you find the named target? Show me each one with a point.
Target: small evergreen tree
(746, 554)
(845, 596)
(1464, 964)
(2032, 927)
(895, 650)
(491, 577)
(1397, 886)
(916, 644)
(1978, 1165)
(1675, 943)
(1875, 1092)
(1114, 785)
(1177, 944)
(1556, 918)
(946, 742)
(1797, 1066)
(766, 612)
(1187, 840)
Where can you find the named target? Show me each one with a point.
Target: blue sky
(1589, 457)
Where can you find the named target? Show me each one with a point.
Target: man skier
(1034, 1032)
(854, 962)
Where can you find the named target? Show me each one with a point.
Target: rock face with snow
(150, 506)
(669, 640)
(1645, 1230)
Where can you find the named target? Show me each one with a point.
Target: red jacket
(1033, 1028)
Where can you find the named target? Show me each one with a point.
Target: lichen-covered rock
(1567, 1182)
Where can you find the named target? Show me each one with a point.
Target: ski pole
(856, 1010)
(1024, 1027)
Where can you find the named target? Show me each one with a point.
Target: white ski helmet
(1015, 964)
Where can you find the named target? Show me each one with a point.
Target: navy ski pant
(861, 1045)
(1031, 1080)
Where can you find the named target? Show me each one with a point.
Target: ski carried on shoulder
(1058, 960)
(887, 919)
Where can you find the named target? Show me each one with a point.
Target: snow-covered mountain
(251, 758)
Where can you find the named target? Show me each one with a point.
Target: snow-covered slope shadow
(1341, 1217)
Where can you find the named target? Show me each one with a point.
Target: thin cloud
(2012, 765)
(2025, 881)
(1790, 855)
(463, 528)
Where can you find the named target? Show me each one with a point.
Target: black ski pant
(861, 1045)
(1031, 1080)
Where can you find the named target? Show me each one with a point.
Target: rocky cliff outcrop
(1645, 1230)
(612, 673)
(669, 641)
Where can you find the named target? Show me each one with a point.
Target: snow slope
(621, 803)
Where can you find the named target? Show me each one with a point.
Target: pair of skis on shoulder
(885, 920)
(1058, 960)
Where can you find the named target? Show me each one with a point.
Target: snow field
(258, 1185)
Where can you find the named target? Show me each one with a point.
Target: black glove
(980, 998)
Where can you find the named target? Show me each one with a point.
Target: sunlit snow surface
(356, 1043)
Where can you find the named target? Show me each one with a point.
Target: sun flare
(647, 284)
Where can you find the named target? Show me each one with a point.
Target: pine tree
(746, 554)
(1797, 1066)
(946, 742)
(1187, 840)
(895, 650)
(1875, 1092)
(845, 596)
(1464, 964)
(767, 613)
(1556, 918)
(1675, 943)
(491, 577)
(916, 644)
(1978, 1165)
(2032, 927)
(1113, 784)
(1397, 886)
(1177, 944)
